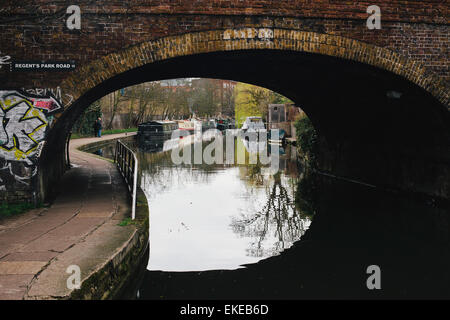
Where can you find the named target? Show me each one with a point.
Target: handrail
(128, 166)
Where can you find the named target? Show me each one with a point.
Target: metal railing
(128, 166)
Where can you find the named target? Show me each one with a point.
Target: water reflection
(208, 217)
(352, 227)
(278, 223)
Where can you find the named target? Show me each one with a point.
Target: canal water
(242, 231)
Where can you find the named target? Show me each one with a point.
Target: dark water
(300, 236)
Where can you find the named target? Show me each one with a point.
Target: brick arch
(350, 133)
(93, 74)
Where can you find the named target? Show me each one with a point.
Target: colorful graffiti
(54, 92)
(24, 121)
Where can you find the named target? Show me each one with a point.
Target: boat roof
(254, 117)
(157, 122)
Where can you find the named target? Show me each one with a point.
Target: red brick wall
(429, 11)
(36, 29)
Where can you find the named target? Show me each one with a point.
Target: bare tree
(115, 99)
(140, 95)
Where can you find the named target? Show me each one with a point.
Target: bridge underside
(374, 126)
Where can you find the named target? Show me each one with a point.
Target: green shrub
(306, 137)
(8, 210)
(84, 126)
(125, 222)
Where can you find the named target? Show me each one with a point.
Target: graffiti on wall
(24, 121)
(54, 92)
(4, 60)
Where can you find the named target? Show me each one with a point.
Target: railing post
(115, 151)
(133, 209)
(128, 166)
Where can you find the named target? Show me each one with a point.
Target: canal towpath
(42, 248)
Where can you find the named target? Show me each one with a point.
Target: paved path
(79, 228)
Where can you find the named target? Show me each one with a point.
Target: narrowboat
(208, 124)
(156, 130)
(222, 124)
(204, 125)
(253, 124)
(154, 146)
(186, 125)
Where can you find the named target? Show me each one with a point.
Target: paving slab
(20, 220)
(79, 227)
(89, 256)
(14, 287)
(21, 267)
(30, 256)
(48, 243)
(7, 248)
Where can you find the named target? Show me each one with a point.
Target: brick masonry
(246, 38)
(417, 30)
(117, 36)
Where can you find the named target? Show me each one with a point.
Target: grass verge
(104, 133)
(9, 210)
(126, 222)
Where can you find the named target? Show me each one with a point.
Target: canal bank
(85, 227)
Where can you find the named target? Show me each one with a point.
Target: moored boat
(187, 125)
(222, 124)
(254, 123)
(156, 130)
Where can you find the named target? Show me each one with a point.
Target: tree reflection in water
(273, 222)
(279, 218)
(158, 173)
(354, 227)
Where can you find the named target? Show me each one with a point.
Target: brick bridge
(379, 98)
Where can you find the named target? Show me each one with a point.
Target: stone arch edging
(91, 75)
